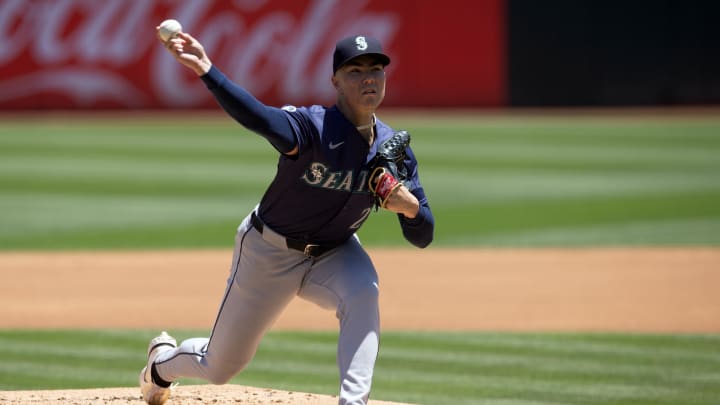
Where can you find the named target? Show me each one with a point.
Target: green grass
(423, 368)
(178, 182)
(187, 181)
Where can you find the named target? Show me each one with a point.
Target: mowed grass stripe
(18, 349)
(562, 129)
(484, 355)
(190, 235)
(600, 344)
(127, 186)
(560, 355)
(132, 147)
(539, 153)
(564, 368)
(16, 374)
(130, 167)
(501, 368)
(140, 188)
(552, 371)
(512, 186)
(65, 359)
(490, 180)
(612, 220)
(105, 213)
(160, 188)
(429, 389)
(217, 149)
(426, 368)
(549, 360)
(570, 147)
(698, 231)
(129, 178)
(157, 133)
(125, 164)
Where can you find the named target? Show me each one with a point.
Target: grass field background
(427, 368)
(185, 181)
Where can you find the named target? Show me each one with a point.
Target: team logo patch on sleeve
(289, 108)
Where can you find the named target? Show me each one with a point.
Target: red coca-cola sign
(104, 54)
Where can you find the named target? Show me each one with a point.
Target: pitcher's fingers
(157, 34)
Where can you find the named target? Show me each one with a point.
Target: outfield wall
(80, 54)
(77, 54)
(613, 53)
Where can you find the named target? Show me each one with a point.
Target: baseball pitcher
(335, 167)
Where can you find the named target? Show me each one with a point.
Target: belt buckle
(308, 249)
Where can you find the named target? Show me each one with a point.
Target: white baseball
(169, 28)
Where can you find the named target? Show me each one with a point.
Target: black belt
(308, 249)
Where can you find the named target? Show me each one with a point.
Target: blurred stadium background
(74, 54)
(561, 123)
(539, 123)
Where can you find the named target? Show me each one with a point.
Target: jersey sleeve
(269, 122)
(419, 230)
(302, 125)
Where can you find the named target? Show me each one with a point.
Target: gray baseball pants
(264, 277)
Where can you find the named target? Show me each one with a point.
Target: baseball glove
(387, 169)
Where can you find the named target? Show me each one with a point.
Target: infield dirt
(672, 290)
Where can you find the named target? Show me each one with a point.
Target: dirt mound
(191, 394)
(666, 290)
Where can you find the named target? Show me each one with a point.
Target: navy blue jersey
(330, 174)
(320, 195)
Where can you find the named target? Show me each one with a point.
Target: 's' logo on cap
(361, 43)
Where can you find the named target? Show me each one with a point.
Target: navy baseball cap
(357, 45)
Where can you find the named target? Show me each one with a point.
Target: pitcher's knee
(219, 378)
(222, 373)
(362, 300)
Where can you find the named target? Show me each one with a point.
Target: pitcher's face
(361, 83)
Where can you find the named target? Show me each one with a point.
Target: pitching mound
(191, 394)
